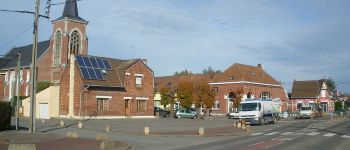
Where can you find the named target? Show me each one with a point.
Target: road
(305, 134)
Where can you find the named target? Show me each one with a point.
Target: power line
(16, 36)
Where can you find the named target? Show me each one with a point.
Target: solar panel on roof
(93, 62)
(106, 63)
(84, 72)
(100, 63)
(80, 61)
(99, 74)
(87, 62)
(92, 73)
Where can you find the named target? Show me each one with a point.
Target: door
(44, 111)
(127, 107)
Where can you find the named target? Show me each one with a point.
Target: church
(81, 85)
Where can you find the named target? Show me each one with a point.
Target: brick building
(253, 81)
(312, 93)
(87, 85)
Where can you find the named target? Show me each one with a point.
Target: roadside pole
(33, 68)
(17, 88)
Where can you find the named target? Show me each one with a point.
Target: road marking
(346, 136)
(313, 133)
(297, 133)
(272, 133)
(329, 134)
(257, 133)
(286, 139)
(287, 133)
(267, 129)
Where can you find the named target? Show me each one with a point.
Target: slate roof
(306, 89)
(71, 11)
(10, 59)
(241, 72)
(115, 76)
(173, 81)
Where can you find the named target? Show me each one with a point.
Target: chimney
(260, 66)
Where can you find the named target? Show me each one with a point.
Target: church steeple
(71, 11)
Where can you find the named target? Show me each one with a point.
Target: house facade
(312, 93)
(86, 85)
(251, 81)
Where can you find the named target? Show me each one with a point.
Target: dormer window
(232, 78)
(253, 73)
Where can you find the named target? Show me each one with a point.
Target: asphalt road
(300, 135)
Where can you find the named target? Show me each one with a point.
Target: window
(216, 105)
(138, 80)
(28, 76)
(215, 89)
(232, 78)
(75, 42)
(265, 95)
(27, 90)
(21, 76)
(141, 105)
(6, 78)
(57, 49)
(102, 104)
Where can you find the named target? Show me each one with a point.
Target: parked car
(182, 113)
(285, 115)
(305, 112)
(234, 115)
(162, 112)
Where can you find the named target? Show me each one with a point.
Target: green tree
(185, 94)
(210, 70)
(184, 72)
(203, 96)
(167, 97)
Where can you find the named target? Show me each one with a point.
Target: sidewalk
(44, 141)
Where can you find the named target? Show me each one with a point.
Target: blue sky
(293, 40)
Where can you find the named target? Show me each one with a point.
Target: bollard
(201, 131)
(243, 126)
(146, 130)
(234, 124)
(61, 123)
(102, 137)
(247, 128)
(80, 124)
(21, 146)
(107, 145)
(108, 128)
(71, 134)
(239, 124)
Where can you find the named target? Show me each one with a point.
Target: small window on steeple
(75, 42)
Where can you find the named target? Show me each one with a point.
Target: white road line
(313, 133)
(287, 133)
(272, 133)
(257, 133)
(286, 139)
(346, 136)
(329, 134)
(267, 129)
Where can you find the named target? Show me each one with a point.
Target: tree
(238, 97)
(204, 96)
(185, 94)
(42, 85)
(184, 72)
(167, 97)
(332, 87)
(210, 70)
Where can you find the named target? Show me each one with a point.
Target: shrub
(5, 115)
(42, 85)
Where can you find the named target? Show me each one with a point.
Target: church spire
(71, 11)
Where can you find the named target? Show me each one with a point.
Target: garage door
(44, 111)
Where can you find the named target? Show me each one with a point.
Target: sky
(293, 40)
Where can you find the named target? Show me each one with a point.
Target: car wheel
(178, 116)
(274, 120)
(194, 117)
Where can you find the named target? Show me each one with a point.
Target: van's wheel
(262, 121)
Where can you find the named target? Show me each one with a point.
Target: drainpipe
(81, 101)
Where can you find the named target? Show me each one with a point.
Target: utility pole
(17, 87)
(34, 69)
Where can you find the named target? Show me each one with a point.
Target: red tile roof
(173, 81)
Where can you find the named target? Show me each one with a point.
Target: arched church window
(57, 49)
(75, 42)
(265, 95)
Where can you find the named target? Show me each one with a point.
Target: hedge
(5, 115)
